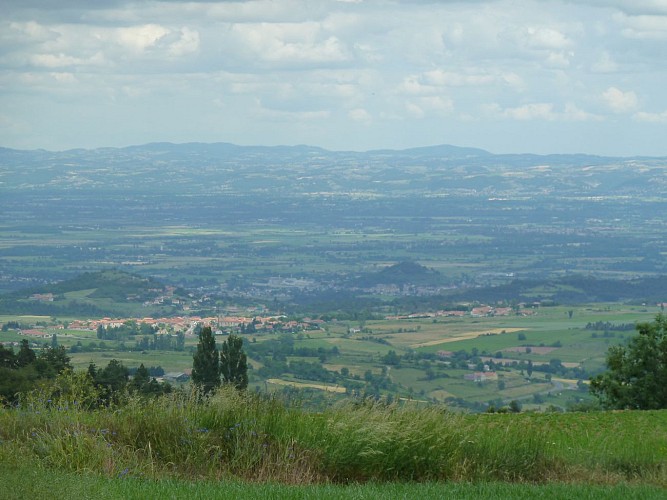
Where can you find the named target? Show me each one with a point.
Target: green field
(548, 334)
(26, 482)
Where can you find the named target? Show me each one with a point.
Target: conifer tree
(233, 363)
(205, 364)
(26, 355)
(141, 379)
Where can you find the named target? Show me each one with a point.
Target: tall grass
(260, 438)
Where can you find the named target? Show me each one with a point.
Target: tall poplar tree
(205, 365)
(233, 363)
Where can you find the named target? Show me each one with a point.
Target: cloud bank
(533, 75)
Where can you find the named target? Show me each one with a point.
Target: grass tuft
(260, 438)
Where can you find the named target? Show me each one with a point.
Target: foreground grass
(21, 483)
(235, 437)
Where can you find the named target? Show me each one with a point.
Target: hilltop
(102, 293)
(401, 274)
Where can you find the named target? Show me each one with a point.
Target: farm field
(542, 360)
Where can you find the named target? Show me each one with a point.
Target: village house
(481, 376)
(42, 297)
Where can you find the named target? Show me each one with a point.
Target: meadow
(252, 443)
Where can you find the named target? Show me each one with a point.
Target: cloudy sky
(542, 76)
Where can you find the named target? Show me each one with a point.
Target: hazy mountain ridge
(232, 215)
(294, 170)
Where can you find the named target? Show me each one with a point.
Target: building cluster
(189, 324)
(482, 311)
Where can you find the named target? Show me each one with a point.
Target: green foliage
(233, 362)
(143, 384)
(205, 364)
(7, 357)
(112, 380)
(22, 372)
(253, 437)
(515, 406)
(26, 355)
(391, 358)
(52, 361)
(140, 379)
(637, 373)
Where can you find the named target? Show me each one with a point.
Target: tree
(7, 358)
(52, 361)
(637, 373)
(515, 406)
(205, 364)
(391, 358)
(233, 363)
(26, 355)
(113, 377)
(141, 379)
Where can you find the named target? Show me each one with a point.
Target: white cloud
(438, 104)
(648, 27)
(360, 115)
(437, 81)
(543, 111)
(290, 43)
(633, 7)
(187, 43)
(534, 111)
(575, 114)
(643, 116)
(55, 60)
(140, 38)
(605, 64)
(545, 38)
(619, 101)
(286, 116)
(448, 78)
(414, 110)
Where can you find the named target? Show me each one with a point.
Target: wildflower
(124, 472)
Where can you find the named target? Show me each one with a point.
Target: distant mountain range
(227, 150)
(292, 170)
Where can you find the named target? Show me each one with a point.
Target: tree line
(211, 368)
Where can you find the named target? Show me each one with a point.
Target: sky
(509, 76)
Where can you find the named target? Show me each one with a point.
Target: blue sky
(541, 76)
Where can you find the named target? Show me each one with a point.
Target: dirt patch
(321, 387)
(533, 350)
(467, 336)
